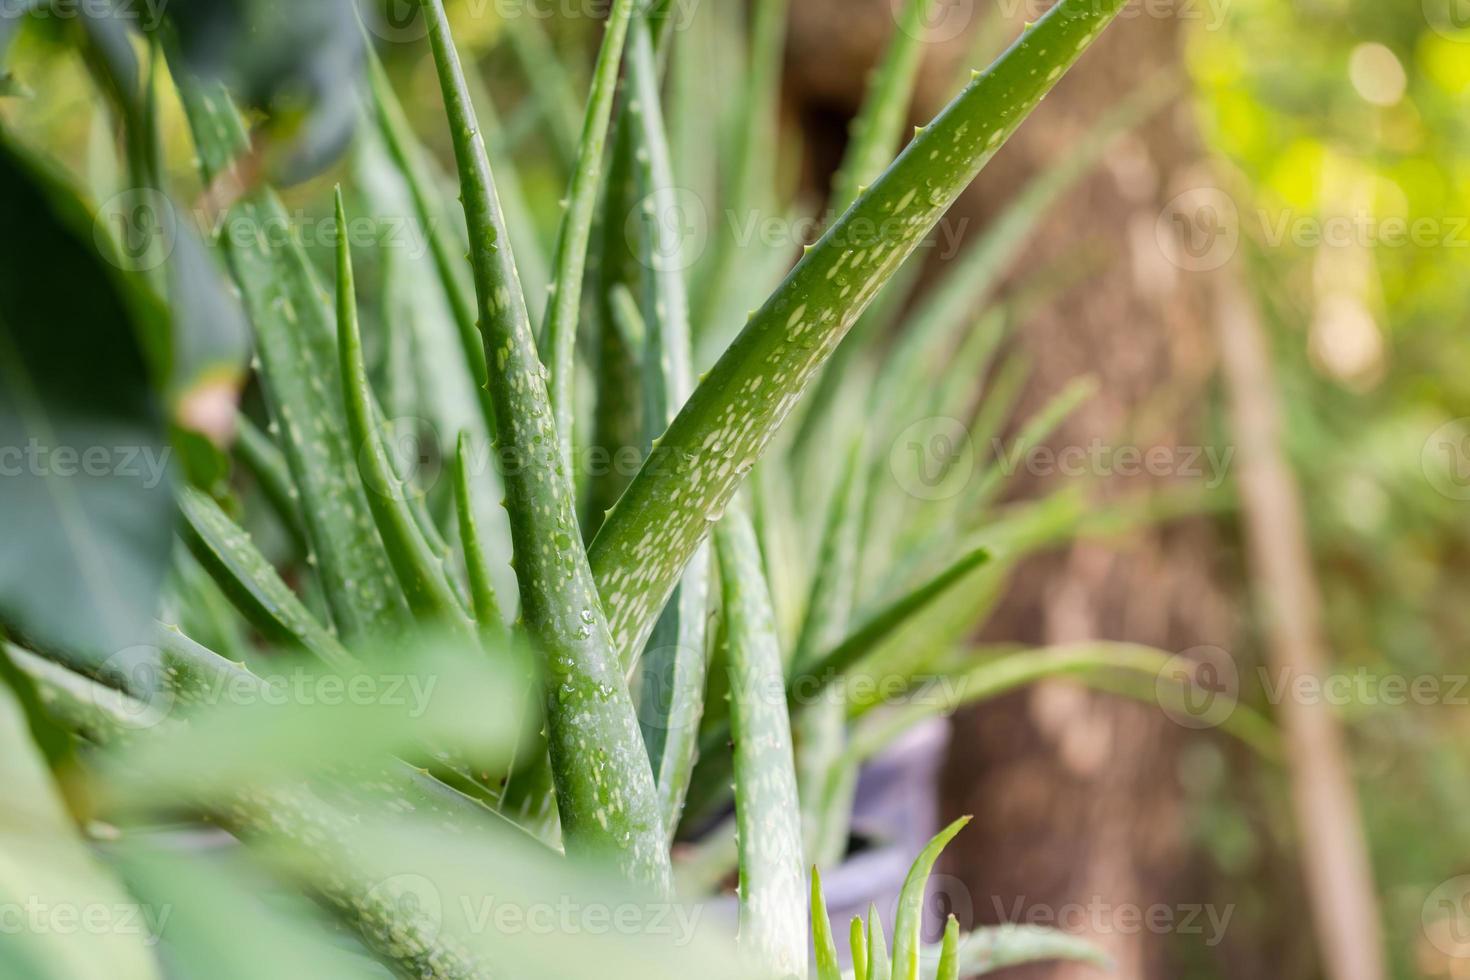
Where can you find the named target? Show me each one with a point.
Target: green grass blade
(879, 123)
(482, 591)
(420, 570)
(766, 804)
(826, 948)
(444, 247)
(857, 941)
(297, 347)
(909, 920)
(605, 789)
(249, 580)
(729, 420)
(879, 966)
(949, 951)
(559, 327)
(1032, 434)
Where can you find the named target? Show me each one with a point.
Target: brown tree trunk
(1075, 796)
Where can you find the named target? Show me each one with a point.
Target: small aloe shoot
(420, 571)
(857, 941)
(482, 591)
(826, 947)
(605, 790)
(909, 921)
(879, 966)
(949, 951)
(730, 419)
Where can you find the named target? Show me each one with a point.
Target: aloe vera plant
(703, 651)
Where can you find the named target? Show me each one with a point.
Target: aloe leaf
(971, 277)
(826, 948)
(877, 126)
(616, 273)
(673, 667)
(841, 657)
(949, 951)
(909, 920)
(1035, 431)
(47, 865)
(605, 789)
(420, 570)
(728, 421)
(482, 590)
(1092, 664)
(879, 966)
(559, 327)
(750, 190)
(766, 804)
(249, 580)
(411, 159)
(298, 817)
(857, 941)
(297, 347)
(985, 951)
(86, 486)
(550, 84)
(260, 456)
(822, 728)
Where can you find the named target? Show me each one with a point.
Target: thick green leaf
(250, 581)
(729, 420)
(420, 570)
(446, 251)
(909, 920)
(767, 808)
(45, 868)
(84, 466)
(673, 667)
(559, 327)
(857, 942)
(605, 789)
(297, 346)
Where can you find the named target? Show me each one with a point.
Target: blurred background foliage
(1358, 112)
(1343, 118)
